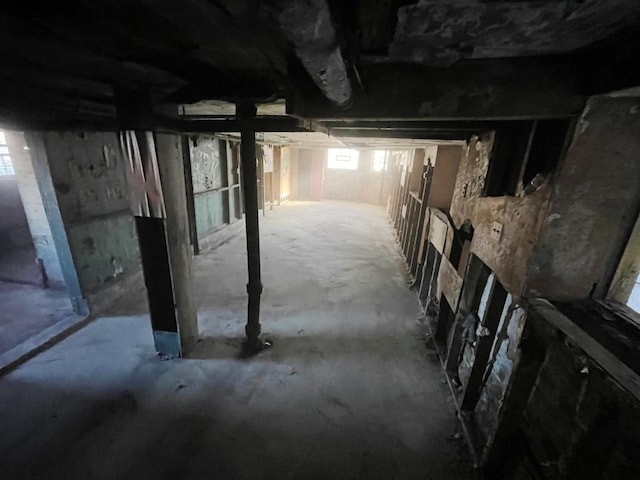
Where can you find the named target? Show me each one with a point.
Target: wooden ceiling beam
(420, 134)
(513, 89)
(204, 124)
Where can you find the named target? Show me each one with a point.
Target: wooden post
(168, 150)
(191, 206)
(156, 162)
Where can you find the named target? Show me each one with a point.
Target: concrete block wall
(89, 178)
(361, 185)
(294, 176)
(285, 173)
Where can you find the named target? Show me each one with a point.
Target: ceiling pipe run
(308, 28)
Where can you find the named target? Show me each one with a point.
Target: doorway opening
(33, 294)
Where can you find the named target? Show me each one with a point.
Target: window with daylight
(380, 160)
(343, 158)
(6, 167)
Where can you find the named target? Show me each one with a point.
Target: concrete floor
(18, 265)
(347, 392)
(26, 310)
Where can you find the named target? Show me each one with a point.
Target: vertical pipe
(262, 182)
(246, 111)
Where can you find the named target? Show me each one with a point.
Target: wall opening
(507, 159)
(33, 292)
(524, 154)
(547, 146)
(460, 248)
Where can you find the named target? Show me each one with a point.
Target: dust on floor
(346, 392)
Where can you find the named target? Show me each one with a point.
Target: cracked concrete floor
(347, 392)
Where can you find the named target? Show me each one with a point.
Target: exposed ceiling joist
(513, 89)
(422, 134)
(206, 124)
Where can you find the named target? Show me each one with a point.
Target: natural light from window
(343, 158)
(380, 160)
(634, 298)
(6, 167)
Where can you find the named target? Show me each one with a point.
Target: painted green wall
(103, 248)
(209, 211)
(89, 178)
(208, 176)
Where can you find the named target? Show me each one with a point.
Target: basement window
(343, 158)
(6, 166)
(380, 160)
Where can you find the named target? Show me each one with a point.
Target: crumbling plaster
(505, 228)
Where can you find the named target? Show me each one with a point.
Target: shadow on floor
(320, 347)
(120, 434)
(28, 310)
(20, 266)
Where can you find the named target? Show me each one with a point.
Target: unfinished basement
(279, 239)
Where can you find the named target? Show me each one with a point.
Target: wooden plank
(76, 60)
(438, 232)
(484, 343)
(425, 232)
(415, 196)
(505, 89)
(188, 182)
(213, 124)
(449, 283)
(625, 376)
(425, 134)
(529, 359)
(474, 283)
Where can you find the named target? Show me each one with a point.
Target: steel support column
(249, 185)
